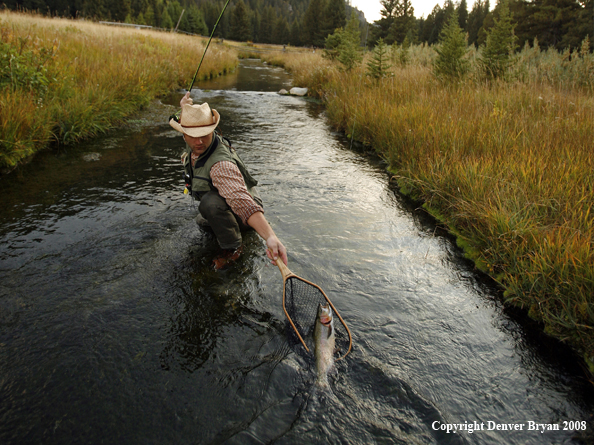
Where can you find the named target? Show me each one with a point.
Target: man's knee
(212, 204)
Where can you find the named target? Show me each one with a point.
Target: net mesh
(301, 303)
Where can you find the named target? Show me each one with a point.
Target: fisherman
(229, 201)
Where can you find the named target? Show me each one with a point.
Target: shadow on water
(115, 328)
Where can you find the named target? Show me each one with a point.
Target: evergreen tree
(166, 21)
(174, 9)
(158, 8)
(475, 22)
(462, 11)
(404, 53)
(138, 6)
(335, 16)
(149, 16)
(119, 9)
(378, 66)
(382, 27)
(349, 53)
(281, 34)
(296, 32)
(240, 23)
(404, 21)
(93, 9)
(195, 21)
(313, 24)
(256, 22)
(140, 19)
(501, 42)
(450, 63)
(582, 26)
(267, 24)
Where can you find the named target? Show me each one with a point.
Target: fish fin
(330, 329)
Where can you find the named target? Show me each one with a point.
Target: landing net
(300, 302)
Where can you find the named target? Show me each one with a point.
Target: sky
(372, 8)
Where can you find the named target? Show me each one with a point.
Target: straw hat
(196, 120)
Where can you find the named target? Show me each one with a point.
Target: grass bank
(64, 80)
(507, 166)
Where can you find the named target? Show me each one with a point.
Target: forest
(559, 24)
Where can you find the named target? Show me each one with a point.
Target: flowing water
(115, 329)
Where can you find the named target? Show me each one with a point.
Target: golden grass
(506, 166)
(97, 76)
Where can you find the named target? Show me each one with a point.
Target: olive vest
(219, 150)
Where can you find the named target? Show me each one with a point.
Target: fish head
(325, 314)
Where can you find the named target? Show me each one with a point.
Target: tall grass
(94, 76)
(507, 166)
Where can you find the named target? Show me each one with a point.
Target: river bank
(505, 166)
(65, 80)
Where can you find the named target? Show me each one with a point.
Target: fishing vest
(219, 150)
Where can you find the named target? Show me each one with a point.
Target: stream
(114, 327)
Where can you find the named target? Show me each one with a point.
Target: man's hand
(186, 100)
(276, 249)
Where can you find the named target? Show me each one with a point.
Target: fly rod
(214, 28)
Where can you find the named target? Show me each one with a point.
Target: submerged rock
(283, 91)
(89, 157)
(296, 91)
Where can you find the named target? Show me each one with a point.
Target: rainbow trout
(324, 340)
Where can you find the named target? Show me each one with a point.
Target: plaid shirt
(228, 180)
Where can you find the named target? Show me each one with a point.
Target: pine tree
(149, 16)
(195, 21)
(475, 22)
(383, 25)
(462, 11)
(349, 54)
(296, 33)
(166, 21)
(501, 42)
(313, 25)
(335, 16)
(267, 24)
(404, 21)
(281, 34)
(240, 23)
(378, 66)
(404, 56)
(450, 63)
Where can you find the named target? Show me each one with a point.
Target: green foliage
(378, 66)
(501, 43)
(348, 49)
(334, 16)
(475, 21)
(313, 24)
(166, 21)
(240, 23)
(194, 22)
(23, 65)
(396, 22)
(401, 53)
(450, 63)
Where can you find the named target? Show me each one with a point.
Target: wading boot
(226, 258)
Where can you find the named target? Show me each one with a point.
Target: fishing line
(208, 44)
(177, 115)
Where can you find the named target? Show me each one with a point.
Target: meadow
(65, 80)
(506, 165)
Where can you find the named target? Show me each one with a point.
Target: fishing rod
(177, 115)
